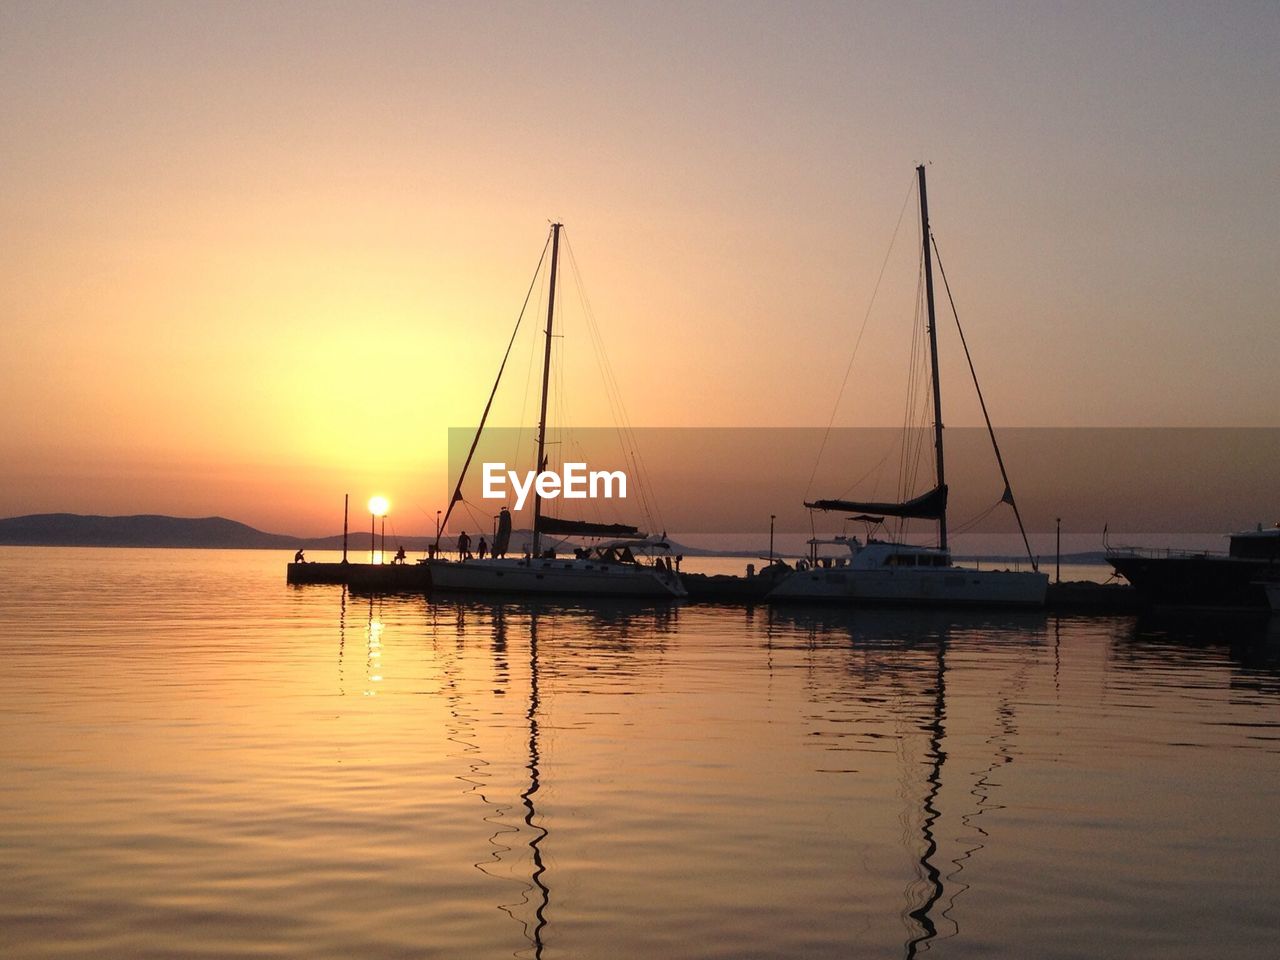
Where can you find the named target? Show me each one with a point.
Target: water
(199, 761)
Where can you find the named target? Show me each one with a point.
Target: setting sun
(378, 506)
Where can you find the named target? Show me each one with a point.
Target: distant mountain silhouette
(75, 530)
(151, 530)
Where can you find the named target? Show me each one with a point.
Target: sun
(378, 506)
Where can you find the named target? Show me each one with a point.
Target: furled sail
(582, 528)
(928, 506)
(502, 538)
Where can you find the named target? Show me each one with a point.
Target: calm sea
(197, 760)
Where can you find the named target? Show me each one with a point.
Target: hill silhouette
(152, 530)
(146, 530)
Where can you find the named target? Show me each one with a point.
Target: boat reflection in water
(618, 624)
(307, 775)
(908, 654)
(850, 789)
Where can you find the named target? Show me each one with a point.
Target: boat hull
(943, 586)
(563, 578)
(1273, 596)
(1219, 583)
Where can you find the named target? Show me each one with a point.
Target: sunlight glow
(378, 506)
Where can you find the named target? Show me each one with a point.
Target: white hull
(940, 585)
(566, 577)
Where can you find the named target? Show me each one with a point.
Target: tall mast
(546, 379)
(933, 348)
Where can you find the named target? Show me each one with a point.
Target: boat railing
(1162, 553)
(1005, 564)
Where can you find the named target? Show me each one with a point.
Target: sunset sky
(259, 255)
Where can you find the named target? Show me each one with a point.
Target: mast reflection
(910, 652)
(935, 727)
(539, 832)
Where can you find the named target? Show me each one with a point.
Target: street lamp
(1057, 565)
(377, 508)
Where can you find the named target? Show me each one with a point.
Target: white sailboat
(629, 564)
(894, 572)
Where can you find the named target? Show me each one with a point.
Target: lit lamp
(377, 508)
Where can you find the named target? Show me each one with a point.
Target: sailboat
(617, 567)
(886, 571)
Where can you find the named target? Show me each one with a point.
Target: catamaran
(877, 570)
(628, 563)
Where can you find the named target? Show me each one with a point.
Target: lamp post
(346, 511)
(1057, 563)
(377, 508)
(772, 517)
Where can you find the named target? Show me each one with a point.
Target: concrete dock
(1081, 596)
(371, 577)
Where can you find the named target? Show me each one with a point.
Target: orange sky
(256, 258)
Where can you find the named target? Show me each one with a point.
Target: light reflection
(373, 645)
(342, 641)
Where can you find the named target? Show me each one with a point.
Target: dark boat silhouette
(1236, 580)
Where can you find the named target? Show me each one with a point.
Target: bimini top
(556, 527)
(928, 506)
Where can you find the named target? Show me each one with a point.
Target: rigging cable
(528, 382)
(1008, 490)
(457, 491)
(912, 440)
(613, 395)
(858, 342)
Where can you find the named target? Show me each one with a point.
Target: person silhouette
(481, 548)
(464, 546)
(298, 557)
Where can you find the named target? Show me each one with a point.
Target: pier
(371, 577)
(1080, 596)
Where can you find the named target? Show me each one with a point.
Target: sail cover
(583, 528)
(928, 506)
(502, 539)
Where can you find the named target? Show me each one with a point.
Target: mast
(933, 347)
(546, 379)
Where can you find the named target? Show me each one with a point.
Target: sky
(259, 255)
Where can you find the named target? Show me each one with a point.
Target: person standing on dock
(464, 546)
(481, 548)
